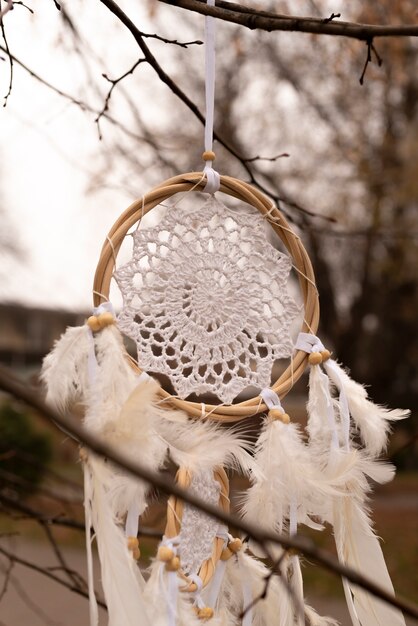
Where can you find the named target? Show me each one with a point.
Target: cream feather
(121, 580)
(372, 420)
(274, 608)
(359, 548)
(195, 444)
(113, 380)
(357, 545)
(157, 597)
(313, 619)
(322, 423)
(288, 477)
(65, 368)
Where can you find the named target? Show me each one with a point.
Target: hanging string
(212, 176)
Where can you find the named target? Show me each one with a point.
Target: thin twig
(48, 574)
(265, 20)
(113, 83)
(10, 56)
(271, 159)
(22, 4)
(7, 575)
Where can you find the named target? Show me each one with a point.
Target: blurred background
(338, 156)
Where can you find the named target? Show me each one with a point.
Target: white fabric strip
(170, 590)
(212, 177)
(93, 609)
(271, 399)
(105, 307)
(131, 525)
(247, 597)
(332, 370)
(309, 343)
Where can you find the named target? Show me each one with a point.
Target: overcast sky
(47, 153)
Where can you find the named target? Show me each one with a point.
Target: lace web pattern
(198, 530)
(205, 299)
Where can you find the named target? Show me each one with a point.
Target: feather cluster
(325, 480)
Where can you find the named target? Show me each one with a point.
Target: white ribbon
(332, 369)
(271, 399)
(212, 177)
(216, 582)
(93, 609)
(310, 343)
(104, 307)
(170, 590)
(131, 525)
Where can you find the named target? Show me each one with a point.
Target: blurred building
(27, 334)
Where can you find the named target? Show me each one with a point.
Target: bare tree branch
(114, 82)
(10, 56)
(264, 20)
(21, 390)
(45, 572)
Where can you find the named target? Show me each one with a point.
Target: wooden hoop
(243, 191)
(173, 527)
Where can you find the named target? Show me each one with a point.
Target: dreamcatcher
(205, 299)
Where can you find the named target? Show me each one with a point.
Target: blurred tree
(24, 452)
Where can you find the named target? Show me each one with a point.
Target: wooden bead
(206, 612)
(136, 553)
(208, 155)
(315, 358)
(276, 414)
(165, 554)
(235, 545)
(190, 588)
(226, 554)
(133, 543)
(173, 565)
(105, 319)
(93, 323)
(326, 354)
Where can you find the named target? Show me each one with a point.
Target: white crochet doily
(205, 299)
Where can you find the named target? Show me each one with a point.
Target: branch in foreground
(20, 390)
(264, 20)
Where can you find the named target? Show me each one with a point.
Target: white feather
(132, 432)
(65, 368)
(121, 579)
(288, 477)
(317, 620)
(157, 597)
(359, 548)
(357, 545)
(322, 423)
(113, 380)
(371, 419)
(274, 608)
(195, 444)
